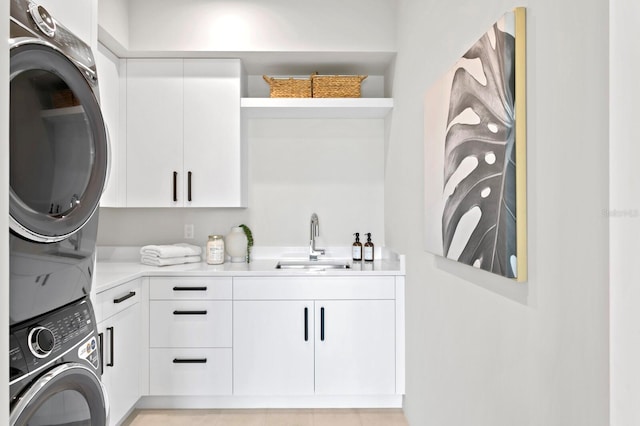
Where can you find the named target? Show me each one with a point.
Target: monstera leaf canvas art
(475, 154)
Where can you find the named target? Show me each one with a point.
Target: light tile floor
(311, 417)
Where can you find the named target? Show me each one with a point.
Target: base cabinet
(190, 336)
(355, 347)
(249, 342)
(120, 337)
(273, 347)
(313, 347)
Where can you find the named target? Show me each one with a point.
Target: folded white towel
(172, 250)
(159, 261)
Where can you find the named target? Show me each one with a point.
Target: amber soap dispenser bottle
(368, 249)
(356, 249)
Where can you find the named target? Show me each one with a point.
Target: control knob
(41, 341)
(43, 20)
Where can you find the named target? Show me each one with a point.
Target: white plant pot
(236, 244)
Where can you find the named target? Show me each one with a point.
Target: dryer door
(69, 394)
(58, 145)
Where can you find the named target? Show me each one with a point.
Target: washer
(55, 369)
(58, 163)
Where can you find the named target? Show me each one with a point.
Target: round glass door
(70, 394)
(58, 145)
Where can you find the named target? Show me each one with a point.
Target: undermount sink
(315, 265)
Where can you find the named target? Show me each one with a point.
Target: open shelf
(316, 107)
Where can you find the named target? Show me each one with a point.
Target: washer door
(69, 394)
(58, 145)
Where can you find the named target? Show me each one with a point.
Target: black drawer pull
(306, 324)
(190, 361)
(189, 187)
(204, 288)
(189, 312)
(110, 331)
(125, 297)
(322, 324)
(175, 186)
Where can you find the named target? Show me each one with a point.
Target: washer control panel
(53, 335)
(41, 341)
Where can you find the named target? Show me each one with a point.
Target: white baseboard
(236, 402)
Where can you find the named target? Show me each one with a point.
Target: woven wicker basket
(289, 87)
(336, 86)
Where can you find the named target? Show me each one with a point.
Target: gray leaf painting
(485, 140)
(475, 154)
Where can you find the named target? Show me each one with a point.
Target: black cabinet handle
(190, 361)
(189, 312)
(110, 363)
(322, 324)
(175, 186)
(125, 297)
(101, 343)
(189, 186)
(190, 289)
(306, 324)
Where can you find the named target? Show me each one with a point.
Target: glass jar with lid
(215, 250)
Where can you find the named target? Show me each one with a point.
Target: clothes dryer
(58, 163)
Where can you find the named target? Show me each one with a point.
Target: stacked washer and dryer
(58, 168)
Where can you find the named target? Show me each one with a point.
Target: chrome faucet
(314, 232)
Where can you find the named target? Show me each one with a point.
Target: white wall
(4, 211)
(482, 350)
(296, 167)
(113, 20)
(74, 17)
(624, 212)
(250, 25)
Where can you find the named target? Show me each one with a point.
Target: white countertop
(116, 266)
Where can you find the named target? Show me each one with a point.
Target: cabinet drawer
(196, 372)
(190, 323)
(309, 288)
(117, 299)
(171, 288)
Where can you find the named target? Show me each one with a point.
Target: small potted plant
(238, 243)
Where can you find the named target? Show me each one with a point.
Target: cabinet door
(212, 145)
(110, 70)
(154, 133)
(121, 360)
(272, 349)
(355, 347)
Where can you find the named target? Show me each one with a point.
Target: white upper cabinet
(212, 148)
(110, 70)
(184, 147)
(154, 132)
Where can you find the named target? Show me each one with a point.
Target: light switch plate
(188, 231)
